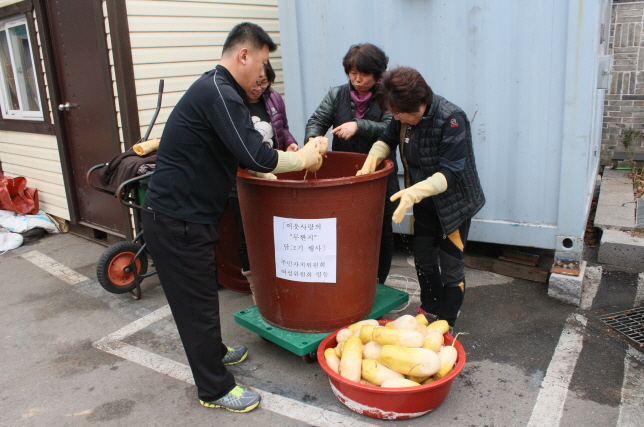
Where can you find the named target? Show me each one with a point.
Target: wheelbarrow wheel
(112, 268)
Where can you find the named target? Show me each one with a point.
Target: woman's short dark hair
(270, 76)
(367, 59)
(403, 90)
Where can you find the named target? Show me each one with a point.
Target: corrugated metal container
(528, 74)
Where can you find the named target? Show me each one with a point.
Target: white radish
(377, 373)
(351, 360)
(371, 350)
(433, 340)
(332, 359)
(399, 383)
(399, 337)
(418, 362)
(447, 356)
(343, 335)
(356, 326)
(405, 322)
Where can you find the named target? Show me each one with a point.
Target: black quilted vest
(463, 198)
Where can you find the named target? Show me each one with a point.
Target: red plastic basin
(390, 403)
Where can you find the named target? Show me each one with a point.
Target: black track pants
(386, 248)
(439, 264)
(184, 256)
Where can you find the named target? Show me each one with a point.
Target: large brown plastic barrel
(357, 203)
(227, 255)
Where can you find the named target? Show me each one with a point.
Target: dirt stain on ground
(112, 410)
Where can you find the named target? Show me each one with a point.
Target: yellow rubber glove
(306, 157)
(379, 151)
(432, 186)
(267, 175)
(323, 144)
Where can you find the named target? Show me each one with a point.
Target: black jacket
(442, 142)
(338, 108)
(207, 136)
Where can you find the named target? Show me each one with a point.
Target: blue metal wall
(525, 72)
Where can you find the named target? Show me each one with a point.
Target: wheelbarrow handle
(156, 112)
(123, 190)
(89, 181)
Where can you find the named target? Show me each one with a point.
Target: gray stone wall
(624, 104)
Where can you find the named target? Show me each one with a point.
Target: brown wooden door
(90, 128)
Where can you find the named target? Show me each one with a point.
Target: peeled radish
(366, 333)
(405, 322)
(351, 360)
(356, 326)
(433, 340)
(371, 351)
(439, 325)
(343, 335)
(332, 359)
(418, 362)
(399, 383)
(377, 373)
(399, 337)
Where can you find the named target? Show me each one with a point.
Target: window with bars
(20, 98)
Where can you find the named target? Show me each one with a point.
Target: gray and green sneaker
(237, 400)
(235, 355)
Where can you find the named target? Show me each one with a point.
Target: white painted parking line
(549, 407)
(631, 412)
(591, 284)
(113, 344)
(54, 268)
(86, 285)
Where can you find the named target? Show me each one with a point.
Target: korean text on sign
(305, 249)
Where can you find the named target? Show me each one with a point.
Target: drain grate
(629, 323)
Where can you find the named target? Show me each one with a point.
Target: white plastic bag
(9, 240)
(17, 223)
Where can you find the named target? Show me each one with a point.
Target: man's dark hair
(270, 76)
(403, 90)
(251, 34)
(367, 59)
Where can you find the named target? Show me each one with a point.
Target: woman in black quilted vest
(441, 183)
(357, 122)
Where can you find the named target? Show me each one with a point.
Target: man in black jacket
(207, 136)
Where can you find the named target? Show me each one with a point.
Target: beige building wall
(36, 157)
(179, 40)
(4, 3)
(174, 40)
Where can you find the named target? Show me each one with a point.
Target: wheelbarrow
(124, 265)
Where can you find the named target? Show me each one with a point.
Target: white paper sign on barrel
(305, 249)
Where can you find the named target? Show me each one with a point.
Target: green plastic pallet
(302, 343)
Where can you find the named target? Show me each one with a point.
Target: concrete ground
(73, 354)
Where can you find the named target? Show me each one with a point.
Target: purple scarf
(361, 102)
